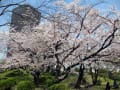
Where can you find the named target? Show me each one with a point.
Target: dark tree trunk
(36, 74)
(80, 77)
(58, 67)
(9, 88)
(94, 76)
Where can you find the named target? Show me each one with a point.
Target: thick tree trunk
(9, 88)
(80, 77)
(58, 67)
(94, 76)
(36, 74)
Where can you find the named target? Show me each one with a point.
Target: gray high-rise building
(24, 15)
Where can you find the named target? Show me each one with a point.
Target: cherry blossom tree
(73, 35)
(91, 32)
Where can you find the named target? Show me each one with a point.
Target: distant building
(24, 16)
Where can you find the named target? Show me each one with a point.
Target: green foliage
(7, 83)
(19, 75)
(47, 79)
(98, 87)
(76, 69)
(25, 85)
(20, 80)
(70, 79)
(99, 82)
(115, 76)
(59, 87)
(10, 78)
(103, 73)
(14, 73)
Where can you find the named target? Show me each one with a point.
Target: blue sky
(34, 3)
(103, 6)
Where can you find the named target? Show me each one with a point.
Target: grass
(71, 80)
(20, 75)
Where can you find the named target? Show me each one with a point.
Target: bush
(7, 84)
(13, 73)
(23, 78)
(103, 73)
(115, 76)
(59, 87)
(25, 85)
(99, 82)
(76, 69)
(47, 79)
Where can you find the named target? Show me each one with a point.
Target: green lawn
(47, 81)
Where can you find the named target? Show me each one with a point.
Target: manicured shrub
(23, 78)
(103, 73)
(13, 73)
(76, 69)
(99, 82)
(59, 87)
(47, 79)
(7, 84)
(115, 76)
(25, 85)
